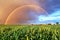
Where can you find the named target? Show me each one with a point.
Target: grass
(29, 32)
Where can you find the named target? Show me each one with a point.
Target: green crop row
(29, 32)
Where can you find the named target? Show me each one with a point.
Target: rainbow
(35, 7)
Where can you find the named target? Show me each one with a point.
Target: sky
(29, 11)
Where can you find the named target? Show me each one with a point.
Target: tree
(57, 23)
(49, 23)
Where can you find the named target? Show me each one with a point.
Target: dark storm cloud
(50, 5)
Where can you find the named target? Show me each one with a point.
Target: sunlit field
(29, 32)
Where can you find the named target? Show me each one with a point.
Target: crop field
(29, 32)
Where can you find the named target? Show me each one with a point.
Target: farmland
(29, 32)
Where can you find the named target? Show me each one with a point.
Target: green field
(29, 32)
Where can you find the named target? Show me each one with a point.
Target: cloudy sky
(29, 11)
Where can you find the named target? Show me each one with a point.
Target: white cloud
(51, 17)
